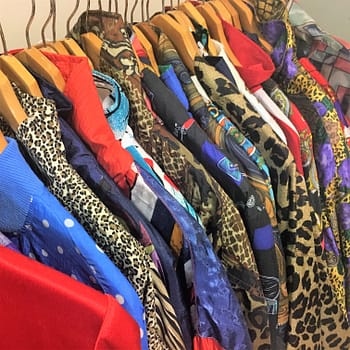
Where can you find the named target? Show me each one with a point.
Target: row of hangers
(174, 20)
(208, 14)
(13, 66)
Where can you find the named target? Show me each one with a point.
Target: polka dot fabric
(50, 235)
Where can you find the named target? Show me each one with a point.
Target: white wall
(334, 16)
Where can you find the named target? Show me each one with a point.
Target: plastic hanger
(248, 22)
(33, 58)
(216, 30)
(16, 72)
(70, 44)
(91, 43)
(3, 142)
(233, 12)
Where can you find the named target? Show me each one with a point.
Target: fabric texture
(104, 227)
(298, 227)
(275, 25)
(330, 56)
(5, 242)
(139, 193)
(69, 315)
(225, 325)
(218, 214)
(229, 175)
(49, 234)
(257, 67)
(306, 141)
(299, 81)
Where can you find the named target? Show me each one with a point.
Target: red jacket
(89, 120)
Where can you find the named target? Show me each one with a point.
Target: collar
(256, 65)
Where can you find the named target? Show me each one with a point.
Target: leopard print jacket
(40, 135)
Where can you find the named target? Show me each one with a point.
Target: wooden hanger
(3, 142)
(181, 38)
(191, 11)
(91, 43)
(33, 58)
(16, 72)
(147, 47)
(216, 30)
(70, 44)
(248, 21)
(10, 108)
(183, 19)
(233, 12)
(221, 10)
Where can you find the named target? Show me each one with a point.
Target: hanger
(91, 43)
(248, 22)
(40, 64)
(233, 12)
(130, 24)
(10, 108)
(221, 10)
(180, 36)
(147, 46)
(16, 72)
(191, 11)
(3, 142)
(216, 30)
(70, 44)
(181, 17)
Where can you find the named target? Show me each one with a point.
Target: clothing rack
(20, 11)
(256, 224)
